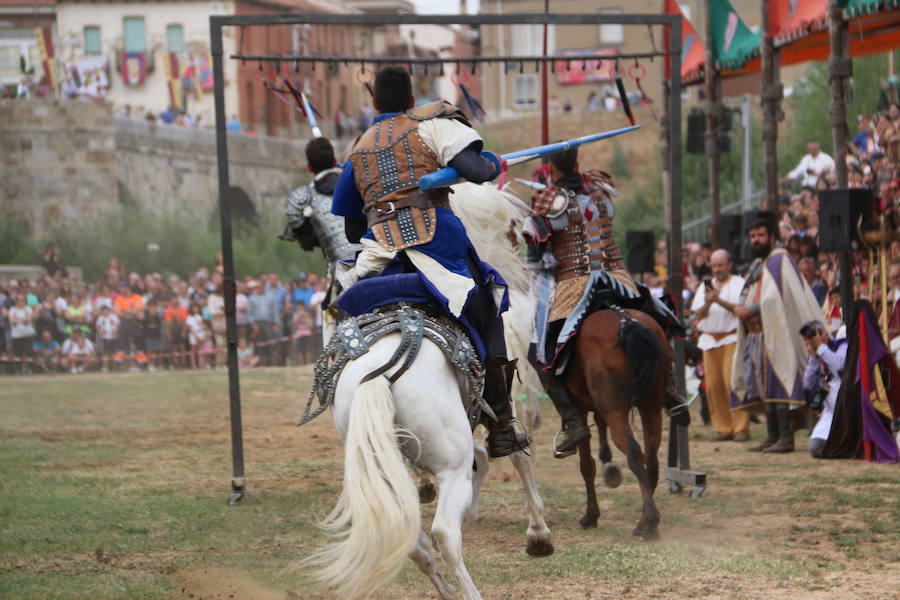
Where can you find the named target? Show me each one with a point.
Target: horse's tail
(377, 517)
(644, 354)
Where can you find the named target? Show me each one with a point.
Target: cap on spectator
(252, 284)
(302, 277)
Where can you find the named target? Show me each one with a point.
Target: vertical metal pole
(771, 93)
(713, 118)
(747, 175)
(238, 490)
(840, 69)
(675, 280)
(501, 49)
(545, 120)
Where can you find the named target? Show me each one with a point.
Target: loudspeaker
(731, 236)
(640, 246)
(696, 129)
(841, 214)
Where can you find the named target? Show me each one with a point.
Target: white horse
(376, 523)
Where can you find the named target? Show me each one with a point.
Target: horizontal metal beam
(482, 19)
(380, 60)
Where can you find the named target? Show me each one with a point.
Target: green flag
(733, 44)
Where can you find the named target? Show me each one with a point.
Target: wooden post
(840, 69)
(771, 93)
(713, 118)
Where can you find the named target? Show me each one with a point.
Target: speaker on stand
(641, 246)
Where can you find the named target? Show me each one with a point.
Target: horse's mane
(486, 213)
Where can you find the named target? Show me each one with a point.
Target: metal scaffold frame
(676, 473)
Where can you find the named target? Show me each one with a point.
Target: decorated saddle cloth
(412, 281)
(354, 336)
(561, 309)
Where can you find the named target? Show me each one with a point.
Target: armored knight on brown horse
(579, 271)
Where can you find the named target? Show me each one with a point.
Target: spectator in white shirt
(812, 166)
(77, 352)
(22, 332)
(713, 305)
(107, 334)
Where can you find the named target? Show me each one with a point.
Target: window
(92, 43)
(528, 40)
(612, 34)
(135, 38)
(9, 61)
(175, 38)
(525, 91)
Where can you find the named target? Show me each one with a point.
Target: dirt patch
(221, 584)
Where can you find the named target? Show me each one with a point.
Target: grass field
(114, 486)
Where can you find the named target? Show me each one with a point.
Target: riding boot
(503, 438)
(771, 429)
(677, 408)
(574, 428)
(785, 441)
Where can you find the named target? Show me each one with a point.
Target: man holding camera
(822, 378)
(712, 306)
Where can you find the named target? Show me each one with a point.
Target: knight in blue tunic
(414, 247)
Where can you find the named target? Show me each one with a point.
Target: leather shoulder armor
(439, 109)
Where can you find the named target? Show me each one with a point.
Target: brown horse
(621, 361)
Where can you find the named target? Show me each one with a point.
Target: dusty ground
(767, 525)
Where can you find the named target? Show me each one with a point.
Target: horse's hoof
(612, 475)
(587, 522)
(645, 532)
(427, 493)
(539, 548)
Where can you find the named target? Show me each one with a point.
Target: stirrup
(557, 453)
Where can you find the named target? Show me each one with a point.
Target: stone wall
(57, 161)
(171, 168)
(641, 147)
(65, 162)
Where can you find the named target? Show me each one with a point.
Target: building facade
(18, 40)
(148, 56)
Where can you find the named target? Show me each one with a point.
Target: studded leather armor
(388, 162)
(582, 237)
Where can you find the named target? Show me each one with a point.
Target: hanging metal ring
(637, 71)
(363, 72)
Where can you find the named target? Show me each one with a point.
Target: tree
(809, 118)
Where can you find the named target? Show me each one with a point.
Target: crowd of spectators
(126, 321)
(873, 162)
